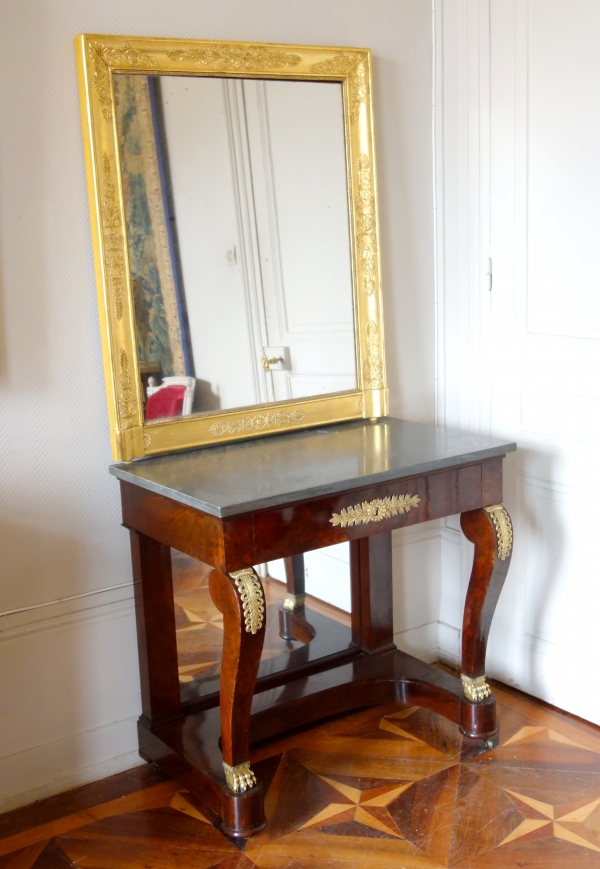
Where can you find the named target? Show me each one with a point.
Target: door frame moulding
(462, 127)
(462, 228)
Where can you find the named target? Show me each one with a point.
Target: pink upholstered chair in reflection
(173, 397)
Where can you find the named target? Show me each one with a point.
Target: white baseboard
(58, 766)
(449, 643)
(69, 695)
(422, 642)
(554, 674)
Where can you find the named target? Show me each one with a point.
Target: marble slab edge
(122, 473)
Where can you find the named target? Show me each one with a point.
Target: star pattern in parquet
(362, 807)
(388, 787)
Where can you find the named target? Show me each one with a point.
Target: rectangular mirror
(233, 203)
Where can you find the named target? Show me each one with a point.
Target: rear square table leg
(292, 615)
(157, 640)
(372, 601)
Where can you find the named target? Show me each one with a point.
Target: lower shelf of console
(188, 749)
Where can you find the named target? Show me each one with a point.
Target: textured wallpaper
(59, 510)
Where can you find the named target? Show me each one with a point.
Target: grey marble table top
(236, 478)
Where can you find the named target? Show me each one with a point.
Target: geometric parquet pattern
(388, 787)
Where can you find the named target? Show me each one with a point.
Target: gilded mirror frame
(99, 58)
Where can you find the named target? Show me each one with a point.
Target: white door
(297, 156)
(543, 349)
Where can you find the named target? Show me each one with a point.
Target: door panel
(544, 352)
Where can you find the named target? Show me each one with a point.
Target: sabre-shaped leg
(490, 529)
(239, 596)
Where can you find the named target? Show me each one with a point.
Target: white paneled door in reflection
(303, 234)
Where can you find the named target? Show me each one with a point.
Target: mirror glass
(237, 216)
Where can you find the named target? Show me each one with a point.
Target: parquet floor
(386, 787)
(383, 788)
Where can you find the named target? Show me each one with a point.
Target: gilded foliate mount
(103, 57)
(292, 602)
(475, 689)
(253, 601)
(366, 238)
(373, 363)
(504, 532)
(346, 64)
(236, 58)
(114, 261)
(375, 511)
(257, 423)
(239, 778)
(127, 398)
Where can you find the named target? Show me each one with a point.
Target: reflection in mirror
(327, 574)
(325, 617)
(236, 203)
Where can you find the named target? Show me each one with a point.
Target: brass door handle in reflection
(266, 363)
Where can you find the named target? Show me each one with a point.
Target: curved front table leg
(490, 529)
(240, 597)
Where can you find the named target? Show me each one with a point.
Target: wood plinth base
(189, 749)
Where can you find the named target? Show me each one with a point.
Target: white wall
(68, 684)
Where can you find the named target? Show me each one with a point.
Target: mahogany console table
(238, 505)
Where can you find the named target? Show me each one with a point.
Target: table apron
(235, 542)
(363, 512)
